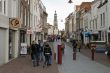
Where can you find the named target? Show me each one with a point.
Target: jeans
(35, 59)
(46, 63)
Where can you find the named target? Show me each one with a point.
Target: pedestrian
(47, 54)
(93, 46)
(40, 46)
(33, 53)
(74, 44)
(63, 47)
(108, 50)
(37, 52)
(79, 45)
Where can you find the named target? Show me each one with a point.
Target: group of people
(41, 52)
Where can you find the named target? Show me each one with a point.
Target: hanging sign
(14, 22)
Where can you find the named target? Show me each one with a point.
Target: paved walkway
(99, 57)
(82, 64)
(24, 65)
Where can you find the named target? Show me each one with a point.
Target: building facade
(20, 21)
(70, 27)
(9, 31)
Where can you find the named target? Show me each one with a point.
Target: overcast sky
(63, 9)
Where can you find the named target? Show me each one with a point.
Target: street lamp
(70, 1)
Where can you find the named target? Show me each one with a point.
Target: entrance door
(11, 43)
(109, 37)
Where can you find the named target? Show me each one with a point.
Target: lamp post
(70, 1)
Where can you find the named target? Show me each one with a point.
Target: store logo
(14, 22)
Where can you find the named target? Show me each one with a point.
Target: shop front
(14, 25)
(95, 36)
(2, 45)
(11, 43)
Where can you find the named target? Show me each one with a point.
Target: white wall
(2, 45)
(11, 11)
(94, 12)
(108, 14)
(104, 26)
(4, 39)
(50, 31)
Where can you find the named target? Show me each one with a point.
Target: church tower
(55, 21)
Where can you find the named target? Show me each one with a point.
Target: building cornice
(102, 4)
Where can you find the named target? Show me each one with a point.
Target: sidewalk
(99, 57)
(24, 65)
(82, 64)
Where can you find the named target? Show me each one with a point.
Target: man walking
(33, 53)
(74, 49)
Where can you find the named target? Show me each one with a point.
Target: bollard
(93, 46)
(59, 54)
(93, 51)
(74, 55)
(54, 56)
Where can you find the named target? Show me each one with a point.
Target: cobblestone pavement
(82, 64)
(24, 65)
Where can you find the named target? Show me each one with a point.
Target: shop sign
(14, 22)
(23, 48)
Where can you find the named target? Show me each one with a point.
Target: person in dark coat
(40, 46)
(47, 54)
(74, 44)
(108, 49)
(33, 53)
(37, 52)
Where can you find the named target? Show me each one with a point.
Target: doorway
(11, 43)
(108, 37)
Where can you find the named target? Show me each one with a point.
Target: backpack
(47, 50)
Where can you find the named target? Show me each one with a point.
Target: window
(90, 24)
(0, 5)
(96, 23)
(34, 21)
(4, 7)
(93, 24)
(103, 19)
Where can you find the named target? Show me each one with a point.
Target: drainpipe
(29, 20)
